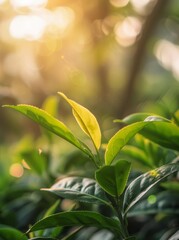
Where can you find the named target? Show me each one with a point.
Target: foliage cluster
(95, 193)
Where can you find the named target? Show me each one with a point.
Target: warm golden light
(119, 3)
(29, 27)
(2, 1)
(142, 5)
(62, 18)
(28, 3)
(16, 170)
(167, 54)
(127, 31)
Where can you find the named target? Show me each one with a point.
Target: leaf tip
(62, 95)
(6, 106)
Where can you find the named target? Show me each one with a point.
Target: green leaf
(135, 117)
(80, 189)
(157, 203)
(138, 117)
(113, 179)
(49, 212)
(52, 209)
(43, 238)
(175, 236)
(77, 218)
(171, 185)
(72, 234)
(49, 122)
(137, 154)
(120, 139)
(86, 121)
(50, 105)
(165, 134)
(9, 233)
(35, 160)
(141, 185)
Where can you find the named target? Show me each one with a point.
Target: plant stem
(117, 209)
(122, 220)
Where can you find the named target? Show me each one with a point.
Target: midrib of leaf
(79, 119)
(90, 131)
(75, 191)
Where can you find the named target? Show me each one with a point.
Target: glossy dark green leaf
(140, 186)
(9, 233)
(78, 218)
(165, 202)
(120, 139)
(50, 123)
(165, 134)
(80, 189)
(113, 179)
(175, 236)
(72, 234)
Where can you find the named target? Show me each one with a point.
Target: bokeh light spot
(127, 31)
(167, 54)
(28, 3)
(16, 170)
(143, 6)
(62, 18)
(29, 27)
(152, 199)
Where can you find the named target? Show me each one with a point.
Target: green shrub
(104, 204)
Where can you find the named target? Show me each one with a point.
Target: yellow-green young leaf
(49, 122)
(50, 105)
(120, 139)
(86, 121)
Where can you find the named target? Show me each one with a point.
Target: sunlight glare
(16, 170)
(127, 31)
(29, 27)
(142, 5)
(2, 1)
(28, 3)
(167, 54)
(62, 18)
